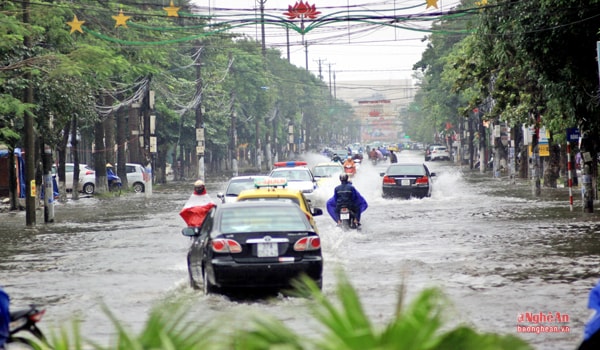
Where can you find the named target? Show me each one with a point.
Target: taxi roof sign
(270, 182)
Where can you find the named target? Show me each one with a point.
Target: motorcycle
(25, 320)
(347, 219)
(350, 170)
(114, 182)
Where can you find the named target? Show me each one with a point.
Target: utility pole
(535, 159)
(262, 25)
(200, 145)
(287, 38)
(587, 193)
(330, 89)
(30, 186)
(306, 54)
(320, 61)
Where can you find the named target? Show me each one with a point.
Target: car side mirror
(221, 196)
(189, 232)
(381, 174)
(432, 174)
(317, 211)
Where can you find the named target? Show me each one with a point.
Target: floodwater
(496, 251)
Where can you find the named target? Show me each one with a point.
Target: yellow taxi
(327, 173)
(271, 188)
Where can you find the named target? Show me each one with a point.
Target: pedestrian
(393, 158)
(4, 318)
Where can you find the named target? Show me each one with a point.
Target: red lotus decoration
(302, 10)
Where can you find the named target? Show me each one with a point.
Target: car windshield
(237, 186)
(292, 175)
(326, 171)
(406, 170)
(261, 219)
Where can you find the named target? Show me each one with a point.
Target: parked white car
(137, 178)
(69, 171)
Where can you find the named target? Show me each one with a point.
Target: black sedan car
(253, 245)
(407, 180)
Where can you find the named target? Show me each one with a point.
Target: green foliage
(344, 325)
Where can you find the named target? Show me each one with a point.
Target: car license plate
(345, 216)
(405, 182)
(267, 250)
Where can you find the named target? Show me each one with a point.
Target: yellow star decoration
(431, 3)
(172, 10)
(76, 25)
(121, 19)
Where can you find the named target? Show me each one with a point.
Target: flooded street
(496, 251)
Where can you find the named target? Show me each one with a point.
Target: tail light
(89, 172)
(422, 181)
(307, 244)
(226, 246)
(37, 317)
(389, 180)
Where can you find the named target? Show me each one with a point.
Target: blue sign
(573, 134)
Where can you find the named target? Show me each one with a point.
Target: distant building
(378, 106)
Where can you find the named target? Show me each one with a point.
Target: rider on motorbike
(346, 195)
(336, 158)
(349, 166)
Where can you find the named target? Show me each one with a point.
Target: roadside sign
(573, 134)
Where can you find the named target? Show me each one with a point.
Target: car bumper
(406, 192)
(263, 275)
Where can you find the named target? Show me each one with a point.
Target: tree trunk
(552, 168)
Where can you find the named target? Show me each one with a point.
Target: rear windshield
(292, 175)
(265, 219)
(326, 171)
(406, 170)
(237, 186)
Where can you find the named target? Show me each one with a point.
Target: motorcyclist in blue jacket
(346, 194)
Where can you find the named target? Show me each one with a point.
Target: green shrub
(417, 326)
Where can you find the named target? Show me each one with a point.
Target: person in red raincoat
(197, 206)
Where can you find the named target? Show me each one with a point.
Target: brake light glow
(37, 317)
(422, 181)
(389, 180)
(223, 245)
(307, 244)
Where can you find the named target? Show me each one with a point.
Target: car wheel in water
(138, 187)
(88, 188)
(208, 287)
(193, 270)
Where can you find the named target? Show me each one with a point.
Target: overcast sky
(344, 50)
